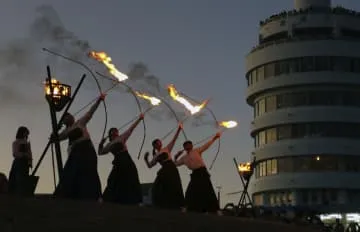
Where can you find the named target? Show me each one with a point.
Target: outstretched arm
(177, 161)
(170, 146)
(151, 163)
(126, 135)
(104, 150)
(87, 117)
(208, 144)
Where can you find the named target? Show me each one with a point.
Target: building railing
(300, 39)
(312, 10)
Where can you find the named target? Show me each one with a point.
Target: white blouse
(16, 148)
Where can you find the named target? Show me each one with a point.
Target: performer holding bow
(167, 191)
(21, 151)
(80, 179)
(200, 195)
(123, 185)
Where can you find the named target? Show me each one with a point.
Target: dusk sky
(198, 45)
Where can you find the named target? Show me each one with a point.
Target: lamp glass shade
(60, 94)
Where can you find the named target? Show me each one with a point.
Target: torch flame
(153, 100)
(228, 124)
(106, 60)
(176, 96)
(57, 90)
(244, 167)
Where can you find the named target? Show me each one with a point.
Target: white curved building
(304, 85)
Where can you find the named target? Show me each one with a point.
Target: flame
(153, 100)
(58, 89)
(176, 96)
(228, 124)
(244, 167)
(106, 60)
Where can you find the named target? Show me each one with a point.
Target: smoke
(22, 60)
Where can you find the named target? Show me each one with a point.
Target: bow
(94, 77)
(217, 123)
(138, 104)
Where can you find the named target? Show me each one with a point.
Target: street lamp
(245, 170)
(57, 94)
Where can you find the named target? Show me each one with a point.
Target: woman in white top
(123, 185)
(200, 195)
(167, 191)
(19, 173)
(80, 179)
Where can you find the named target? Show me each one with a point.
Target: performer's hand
(102, 96)
(146, 156)
(103, 140)
(141, 116)
(218, 135)
(181, 126)
(178, 154)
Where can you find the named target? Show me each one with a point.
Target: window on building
(299, 130)
(268, 167)
(274, 167)
(277, 68)
(270, 103)
(290, 198)
(342, 64)
(286, 164)
(284, 132)
(356, 65)
(304, 64)
(254, 76)
(262, 106)
(258, 199)
(294, 65)
(305, 197)
(284, 67)
(298, 99)
(307, 64)
(271, 135)
(262, 138)
(261, 73)
(256, 109)
(272, 199)
(269, 70)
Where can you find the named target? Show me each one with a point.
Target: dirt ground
(50, 215)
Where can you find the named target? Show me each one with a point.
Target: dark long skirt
(18, 176)
(80, 179)
(200, 195)
(167, 191)
(123, 185)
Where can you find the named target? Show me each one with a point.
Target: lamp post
(245, 171)
(58, 96)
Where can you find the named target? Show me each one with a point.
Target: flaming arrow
(227, 125)
(193, 109)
